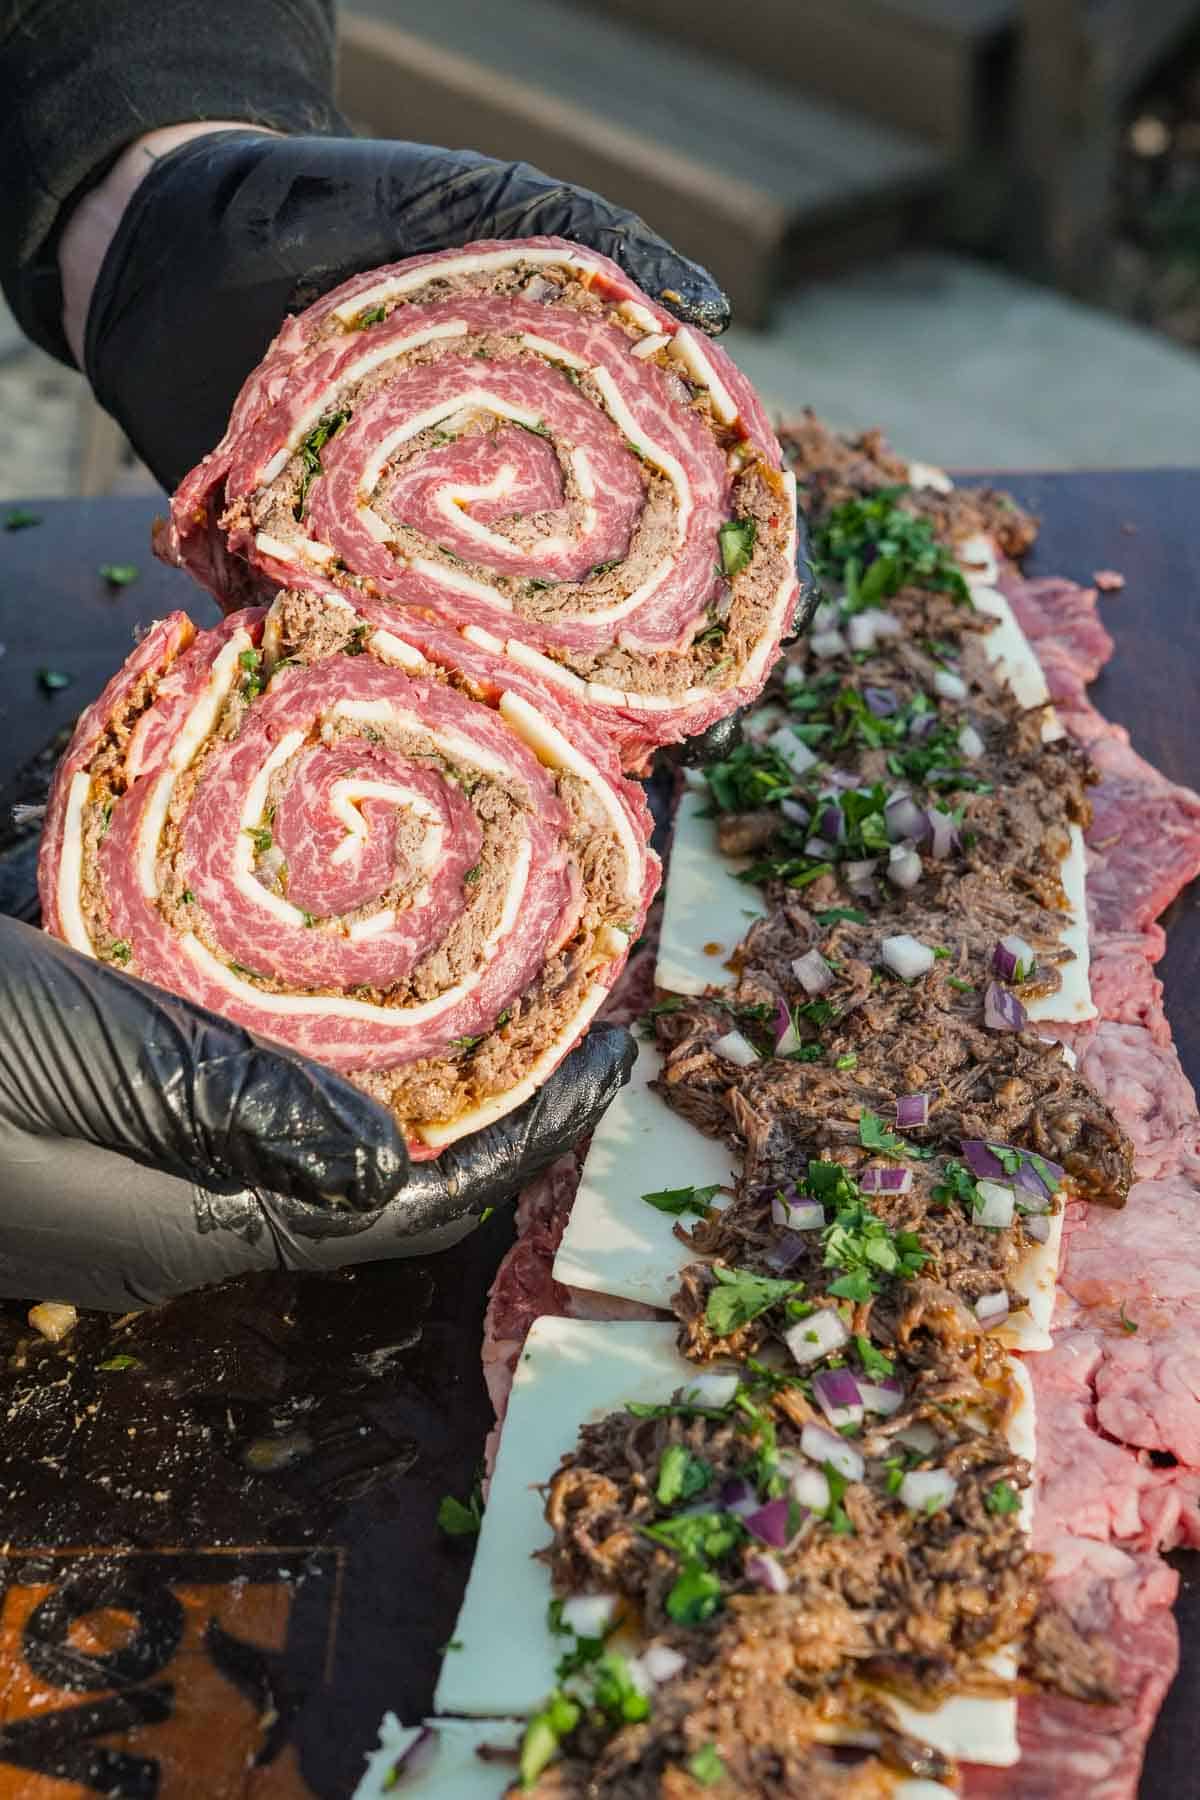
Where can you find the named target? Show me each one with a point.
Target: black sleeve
(81, 79)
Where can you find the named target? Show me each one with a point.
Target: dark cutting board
(234, 1556)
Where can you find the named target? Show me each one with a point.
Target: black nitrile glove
(229, 234)
(148, 1147)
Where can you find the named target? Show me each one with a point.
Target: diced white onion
(907, 956)
(794, 813)
(827, 643)
(810, 1487)
(794, 751)
(712, 1388)
(736, 1049)
(943, 827)
(970, 744)
(589, 1615)
(825, 1446)
(1023, 954)
(996, 1204)
(991, 1309)
(903, 817)
(812, 972)
(879, 1399)
(925, 1490)
(819, 1335)
(661, 1663)
(949, 685)
(919, 1437)
(904, 866)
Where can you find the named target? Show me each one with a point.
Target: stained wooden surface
(242, 1522)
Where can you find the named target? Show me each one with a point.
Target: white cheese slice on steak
(572, 1371)
(707, 910)
(617, 1243)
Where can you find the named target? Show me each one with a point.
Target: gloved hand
(148, 1147)
(227, 235)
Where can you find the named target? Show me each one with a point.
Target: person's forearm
(81, 81)
(93, 222)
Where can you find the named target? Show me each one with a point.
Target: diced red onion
(904, 818)
(919, 1437)
(992, 1309)
(831, 824)
(738, 1496)
(1013, 954)
(1038, 1228)
(736, 1049)
(825, 1446)
(660, 1662)
(767, 1572)
(798, 1215)
(417, 1756)
(949, 685)
(996, 1203)
(1002, 1011)
(812, 972)
(771, 1524)
(921, 724)
(827, 643)
(589, 1615)
(787, 1038)
(907, 956)
(878, 1179)
(904, 866)
(810, 1487)
(945, 835)
(712, 1388)
(881, 701)
(794, 813)
(785, 1252)
(885, 1397)
(912, 1110)
(836, 1393)
(793, 750)
(979, 1159)
(926, 1490)
(970, 744)
(819, 1335)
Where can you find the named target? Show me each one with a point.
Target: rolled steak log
(513, 439)
(426, 877)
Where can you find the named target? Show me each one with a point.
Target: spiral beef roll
(425, 876)
(512, 439)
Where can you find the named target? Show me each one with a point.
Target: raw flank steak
(516, 441)
(1117, 1474)
(425, 877)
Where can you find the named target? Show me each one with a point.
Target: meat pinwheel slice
(517, 441)
(423, 876)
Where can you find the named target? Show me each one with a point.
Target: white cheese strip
(572, 1371)
(70, 866)
(704, 903)
(616, 1242)
(482, 263)
(455, 1770)
(686, 347)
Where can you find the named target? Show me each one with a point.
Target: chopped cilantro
(241, 969)
(260, 836)
(866, 1250)
(874, 546)
(681, 1476)
(310, 455)
(706, 1766)
(874, 1135)
(543, 1734)
(309, 919)
(356, 642)
(831, 914)
(19, 519)
(374, 315)
(1127, 1324)
(472, 875)
(874, 1363)
(736, 538)
(465, 1043)
(54, 679)
(957, 1183)
(602, 568)
(119, 951)
(457, 1519)
(940, 952)
(250, 661)
(614, 1690)
(695, 1596)
(848, 1061)
(118, 574)
(538, 430)
(116, 1363)
(1002, 1499)
(740, 1296)
(188, 897)
(963, 987)
(683, 1200)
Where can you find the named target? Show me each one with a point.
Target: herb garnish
(310, 455)
(740, 1296)
(118, 574)
(681, 1476)
(874, 546)
(19, 519)
(1002, 1499)
(683, 1200)
(736, 539)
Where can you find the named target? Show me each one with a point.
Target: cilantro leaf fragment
(1002, 1499)
(681, 1476)
(706, 1766)
(875, 1364)
(696, 1595)
(116, 1363)
(740, 1296)
(19, 519)
(543, 1734)
(119, 574)
(54, 679)
(457, 1519)
(683, 1200)
(736, 538)
(310, 455)
(1127, 1324)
